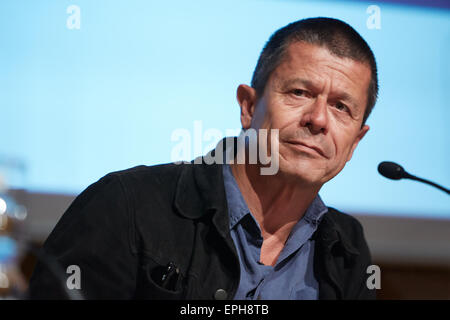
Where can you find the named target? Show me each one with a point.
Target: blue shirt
(292, 277)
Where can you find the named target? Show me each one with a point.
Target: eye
(341, 107)
(299, 92)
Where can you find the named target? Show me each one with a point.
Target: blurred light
(20, 212)
(3, 206)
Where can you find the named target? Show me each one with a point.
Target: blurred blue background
(76, 104)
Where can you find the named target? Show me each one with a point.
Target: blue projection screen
(89, 87)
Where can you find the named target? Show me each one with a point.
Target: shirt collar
(237, 207)
(315, 210)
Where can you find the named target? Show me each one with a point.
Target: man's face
(317, 102)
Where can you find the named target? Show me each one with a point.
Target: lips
(300, 143)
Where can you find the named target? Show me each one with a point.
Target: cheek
(343, 150)
(281, 115)
(287, 122)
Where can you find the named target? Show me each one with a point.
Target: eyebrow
(344, 96)
(292, 81)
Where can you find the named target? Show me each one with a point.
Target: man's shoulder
(148, 171)
(159, 175)
(341, 218)
(137, 184)
(347, 225)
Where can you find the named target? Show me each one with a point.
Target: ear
(361, 134)
(246, 97)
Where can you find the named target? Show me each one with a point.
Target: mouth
(304, 146)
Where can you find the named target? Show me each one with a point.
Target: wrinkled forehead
(314, 65)
(302, 56)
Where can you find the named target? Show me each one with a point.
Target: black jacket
(125, 229)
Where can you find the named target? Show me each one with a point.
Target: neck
(275, 202)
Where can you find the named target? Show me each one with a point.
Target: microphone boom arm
(410, 176)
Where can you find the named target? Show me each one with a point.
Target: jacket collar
(200, 187)
(201, 192)
(330, 232)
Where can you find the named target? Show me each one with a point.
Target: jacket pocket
(149, 284)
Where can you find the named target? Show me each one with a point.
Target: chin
(304, 171)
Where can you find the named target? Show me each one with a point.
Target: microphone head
(391, 170)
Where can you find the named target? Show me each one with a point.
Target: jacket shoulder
(141, 181)
(143, 172)
(344, 221)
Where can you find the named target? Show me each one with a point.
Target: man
(226, 231)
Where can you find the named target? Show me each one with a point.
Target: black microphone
(394, 171)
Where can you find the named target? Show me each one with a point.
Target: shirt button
(220, 294)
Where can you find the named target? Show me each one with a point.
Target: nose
(316, 117)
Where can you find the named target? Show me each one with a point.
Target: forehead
(317, 66)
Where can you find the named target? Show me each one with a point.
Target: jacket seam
(131, 232)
